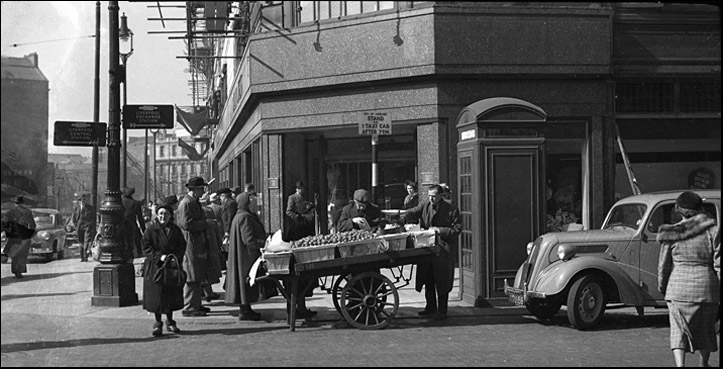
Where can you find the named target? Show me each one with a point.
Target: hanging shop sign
(375, 123)
(79, 134)
(147, 116)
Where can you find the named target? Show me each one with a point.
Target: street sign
(375, 123)
(79, 133)
(147, 116)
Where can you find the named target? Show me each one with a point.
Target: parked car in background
(586, 270)
(50, 235)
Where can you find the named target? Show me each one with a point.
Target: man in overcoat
(192, 221)
(438, 275)
(360, 214)
(84, 218)
(19, 226)
(227, 212)
(135, 225)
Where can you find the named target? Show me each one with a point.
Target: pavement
(47, 320)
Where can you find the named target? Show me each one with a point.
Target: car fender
(556, 277)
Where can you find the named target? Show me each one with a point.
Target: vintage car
(586, 270)
(50, 235)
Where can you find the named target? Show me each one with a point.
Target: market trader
(437, 275)
(360, 214)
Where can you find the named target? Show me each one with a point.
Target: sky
(58, 31)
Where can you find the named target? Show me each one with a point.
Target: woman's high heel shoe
(171, 326)
(157, 329)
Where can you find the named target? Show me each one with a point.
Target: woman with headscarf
(161, 239)
(247, 237)
(688, 279)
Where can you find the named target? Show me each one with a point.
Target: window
(161, 151)
(173, 151)
(310, 11)
(677, 96)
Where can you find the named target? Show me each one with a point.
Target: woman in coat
(214, 267)
(687, 277)
(162, 238)
(411, 201)
(246, 239)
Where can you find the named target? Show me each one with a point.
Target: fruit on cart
(326, 239)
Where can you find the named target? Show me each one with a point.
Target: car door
(663, 213)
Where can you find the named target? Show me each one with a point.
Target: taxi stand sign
(147, 116)
(375, 123)
(79, 134)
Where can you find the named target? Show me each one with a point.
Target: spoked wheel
(369, 301)
(336, 289)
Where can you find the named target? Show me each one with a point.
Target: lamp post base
(114, 285)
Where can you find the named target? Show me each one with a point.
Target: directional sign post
(79, 133)
(375, 124)
(147, 116)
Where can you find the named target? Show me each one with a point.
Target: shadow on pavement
(12, 297)
(34, 277)
(232, 331)
(614, 322)
(16, 347)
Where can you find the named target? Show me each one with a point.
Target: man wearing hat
(134, 224)
(227, 212)
(192, 221)
(84, 220)
(19, 227)
(301, 215)
(360, 214)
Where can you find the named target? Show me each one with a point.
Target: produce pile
(326, 239)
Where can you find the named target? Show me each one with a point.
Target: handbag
(170, 274)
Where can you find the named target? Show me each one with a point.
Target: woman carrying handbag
(163, 243)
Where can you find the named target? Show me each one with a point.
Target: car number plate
(518, 299)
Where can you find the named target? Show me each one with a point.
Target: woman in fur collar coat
(687, 277)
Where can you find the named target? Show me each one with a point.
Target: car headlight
(565, 252)
(44, 235)
(530, 245)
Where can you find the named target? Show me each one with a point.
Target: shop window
(644, 97)
(564, 192)
(700, 96)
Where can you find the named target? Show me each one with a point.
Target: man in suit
(135, 226)
(437, 276)
(84, 217)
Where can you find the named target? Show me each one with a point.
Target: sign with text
(375, 123)
(147, 116)
(79, 133)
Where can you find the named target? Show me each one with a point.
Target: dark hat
(18, 199)
(689, 200)
(223, 190)
(361, 195)
(237, 190)
(170, 200)
(299, 184)
(196, 182)
(164, 205)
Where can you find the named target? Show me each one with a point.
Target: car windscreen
(626, 215)
(45, 221)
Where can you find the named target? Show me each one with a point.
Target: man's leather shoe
(215, 296)
(204, 309)
(440, 317)
(190, 313)
(251, 315)
(426, 312)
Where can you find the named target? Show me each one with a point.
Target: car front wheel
(586, 302)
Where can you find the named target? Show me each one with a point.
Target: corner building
(515, 105)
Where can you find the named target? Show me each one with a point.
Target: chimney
(33, 58)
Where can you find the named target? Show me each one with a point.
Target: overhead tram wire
(46, 41)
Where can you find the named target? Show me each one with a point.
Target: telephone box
(501, 154)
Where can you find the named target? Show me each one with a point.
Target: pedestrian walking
(19, 227)
(437, 275)
(192, 221)
(161, 239)
(135, 225)
(84, 219)
(688, 279)
(213, 273)
(247, 238)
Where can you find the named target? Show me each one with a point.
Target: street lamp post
(155, 180)
(125, 51)
(114, 278)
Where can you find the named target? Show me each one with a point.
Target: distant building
(25, 168)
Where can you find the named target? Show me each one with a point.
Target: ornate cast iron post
(113, 278)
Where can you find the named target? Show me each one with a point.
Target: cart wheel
(339, 284)
(369, 301)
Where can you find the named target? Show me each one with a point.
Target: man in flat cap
(360, 214)
(192, 221)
